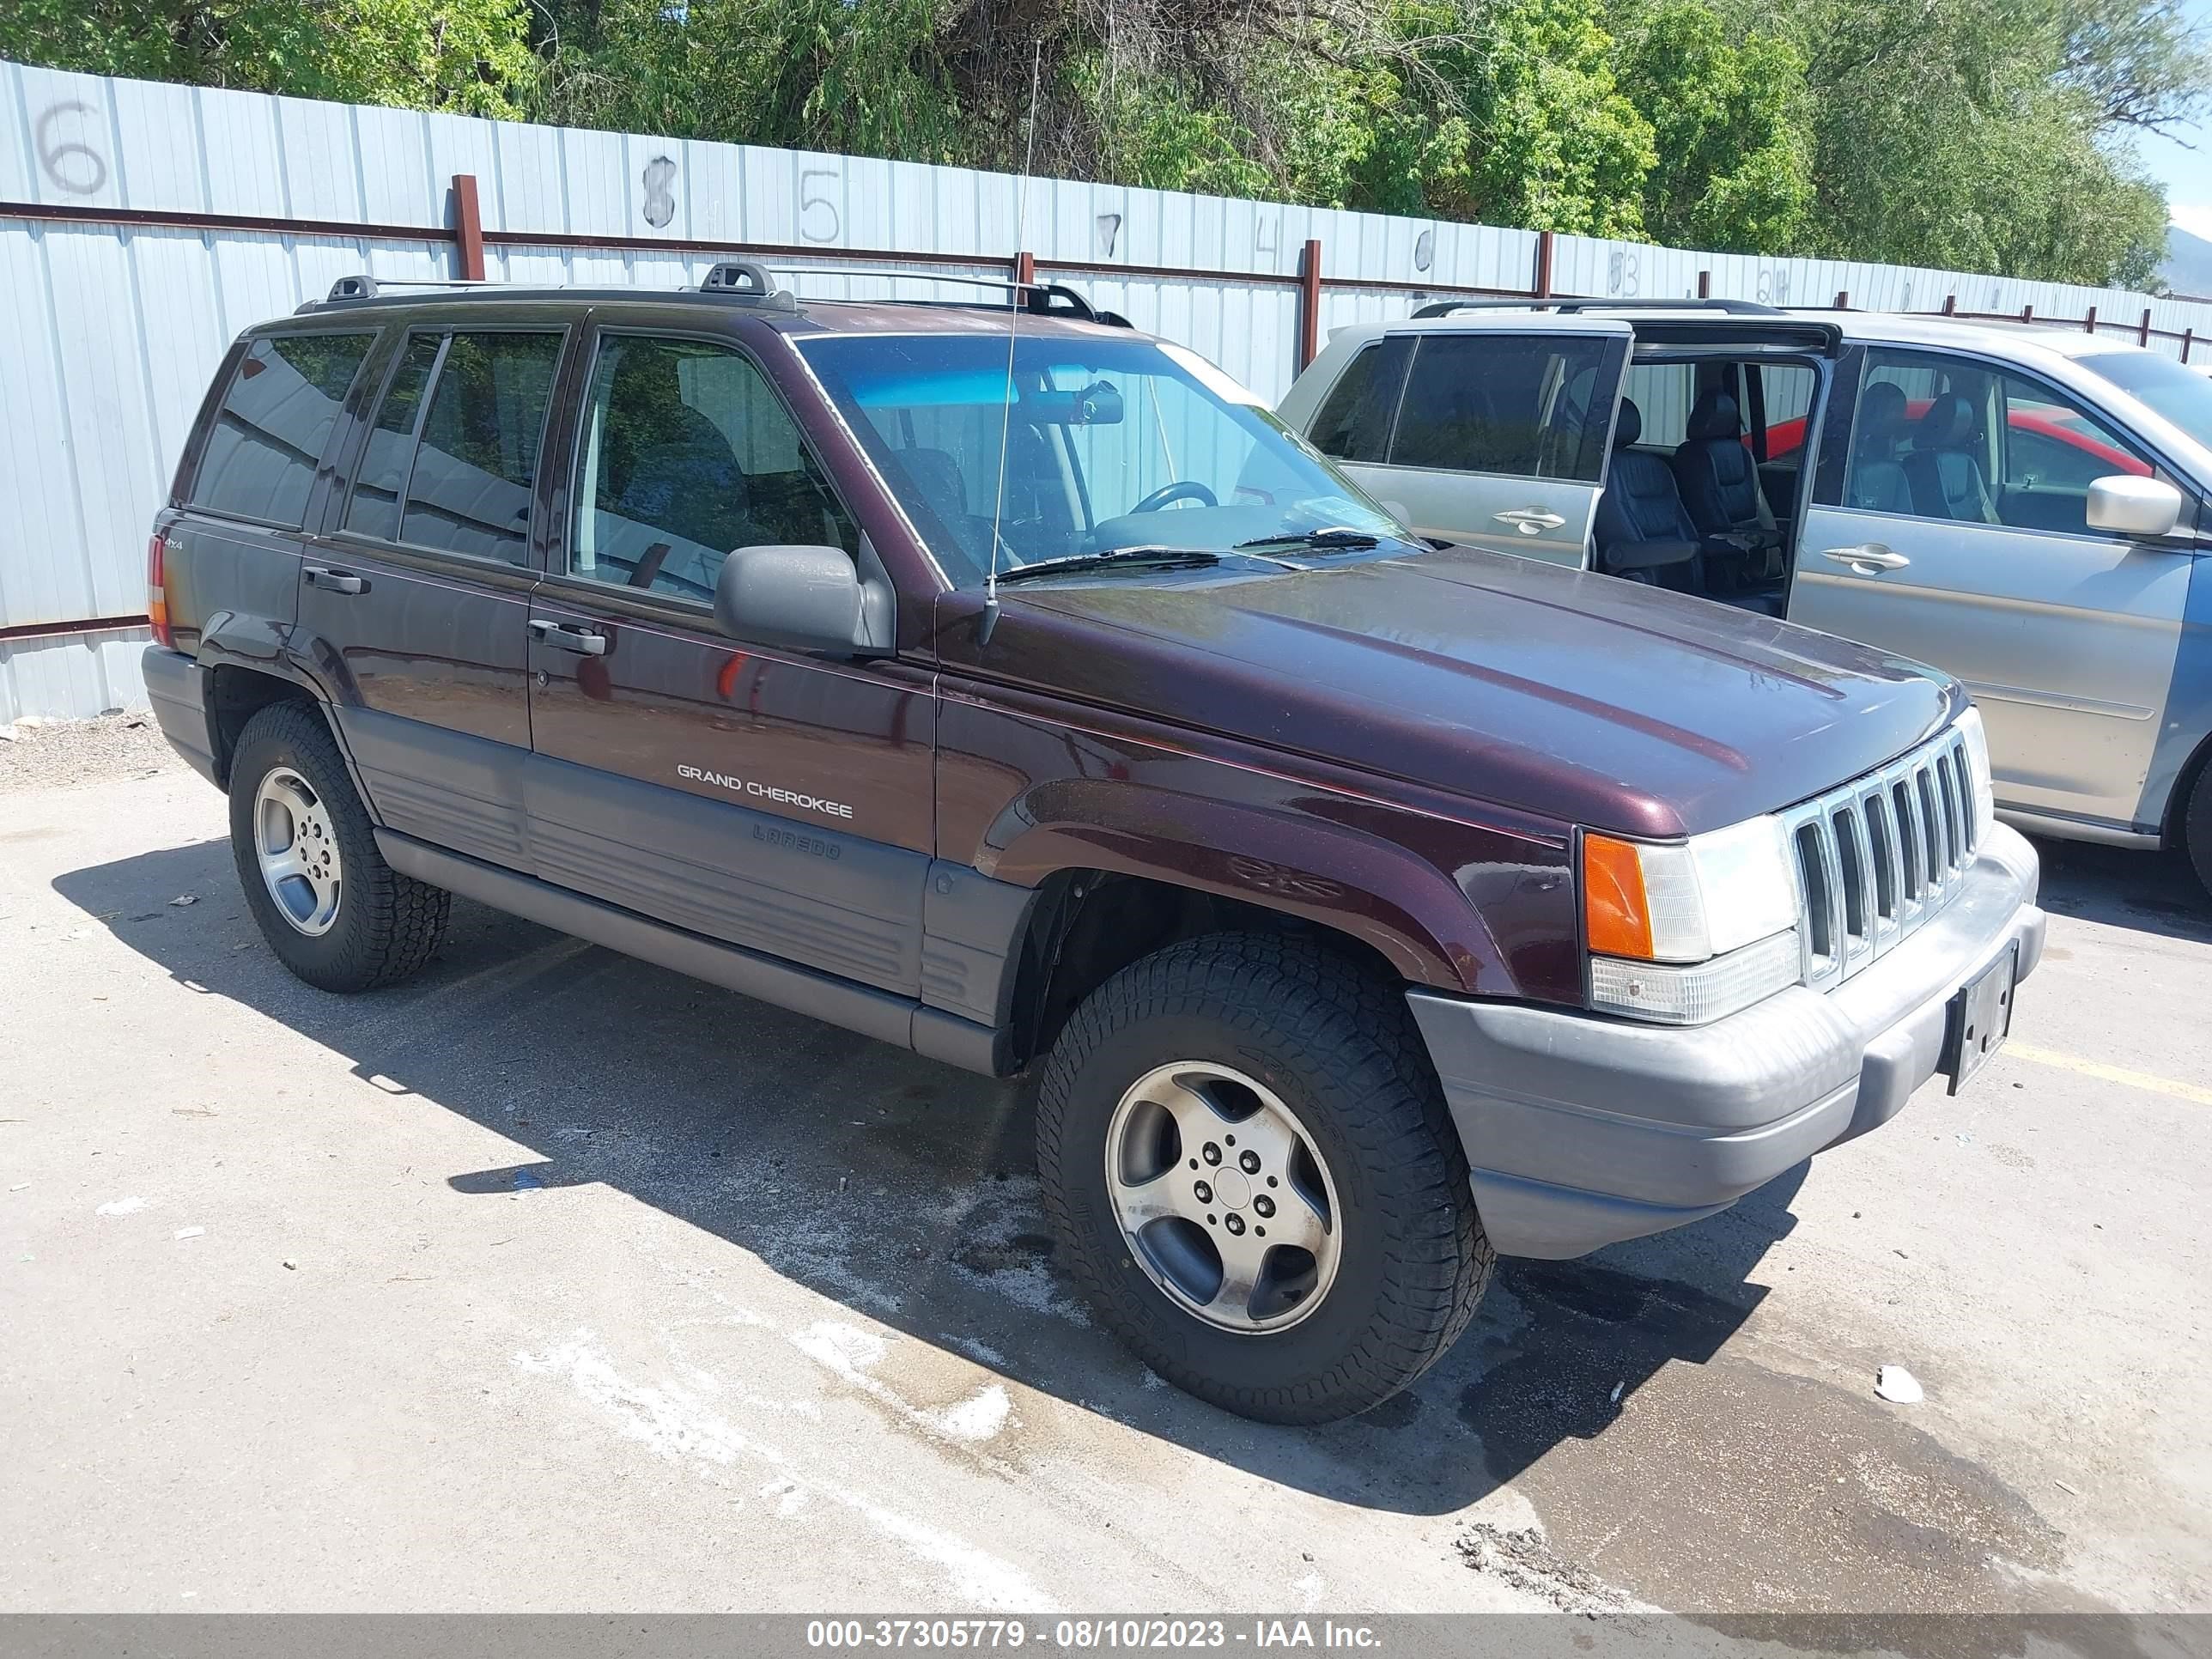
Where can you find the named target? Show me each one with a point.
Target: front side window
(686, 453)
(275, 418)
(476, 463)
(1526, 405)
(1113, 444)
(2182, 394)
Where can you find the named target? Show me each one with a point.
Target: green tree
(1733, 172)
(472, 56)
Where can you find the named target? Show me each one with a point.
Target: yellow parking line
(2120, 1074)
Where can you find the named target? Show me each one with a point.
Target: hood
(1578, 697)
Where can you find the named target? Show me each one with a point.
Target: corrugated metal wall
(111, 329)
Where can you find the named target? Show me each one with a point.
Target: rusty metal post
(1308, 303)
(468, 227)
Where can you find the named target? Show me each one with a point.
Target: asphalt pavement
(556, 1281)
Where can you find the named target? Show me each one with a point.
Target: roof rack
(747, 280)
(1732, 307)
(1039, 297)
(749, 283)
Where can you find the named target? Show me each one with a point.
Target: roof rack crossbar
(1573, 304)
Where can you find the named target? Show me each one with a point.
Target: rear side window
(451, 461)
(475, 464)
(1529, 405)
(275, 421)
(1354, 421)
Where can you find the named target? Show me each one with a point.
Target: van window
(1354, 421)
(475, 464)
(274, 422)
(686, 453)
(1514, 404)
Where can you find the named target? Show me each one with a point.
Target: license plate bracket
(1980, 1018)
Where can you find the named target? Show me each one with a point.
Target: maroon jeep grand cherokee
(993, 680)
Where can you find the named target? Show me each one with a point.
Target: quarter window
(685, 453)
(1479, 403)
(274, 422)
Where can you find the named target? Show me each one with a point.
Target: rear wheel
(335, 913)
(1254, 1180)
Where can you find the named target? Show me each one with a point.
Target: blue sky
(2187, 173)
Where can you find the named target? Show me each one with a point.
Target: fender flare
(1345, 879)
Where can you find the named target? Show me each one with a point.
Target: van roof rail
(1589, 302)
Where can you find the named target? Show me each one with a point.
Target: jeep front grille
(1878, 856)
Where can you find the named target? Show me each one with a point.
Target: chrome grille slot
(1878, 856)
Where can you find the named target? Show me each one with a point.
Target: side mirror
(2129, 506)
(808, 597)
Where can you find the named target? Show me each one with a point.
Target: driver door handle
(336, 581)
(1529, 520)
(1867, 559)
(581, 640)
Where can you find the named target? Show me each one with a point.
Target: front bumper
(1582, 1131)
(175, 689)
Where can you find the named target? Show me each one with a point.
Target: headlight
(1687, 931)
(1977, 761)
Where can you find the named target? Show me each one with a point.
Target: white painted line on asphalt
(2096, 1068)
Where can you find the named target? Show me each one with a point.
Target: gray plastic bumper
(173, 688)
(1582, 1131)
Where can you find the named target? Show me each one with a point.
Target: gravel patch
(43, 754)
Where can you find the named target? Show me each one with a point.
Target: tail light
(157, 595)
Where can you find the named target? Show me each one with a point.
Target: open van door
(1490, 430)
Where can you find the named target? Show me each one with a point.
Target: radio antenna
(1020, 298)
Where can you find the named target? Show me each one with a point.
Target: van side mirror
(811, 598)
(2131, 506)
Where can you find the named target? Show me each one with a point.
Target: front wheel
(1254, 1181)
(331, 909)
(2196, 825)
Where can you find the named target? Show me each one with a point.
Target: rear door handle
(1867, 559)
(581, 640)
(1529, 520)
(334, 582)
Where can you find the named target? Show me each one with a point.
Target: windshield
(1114, 444)
(2182, 395)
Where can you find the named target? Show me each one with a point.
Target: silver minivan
(2028, 508)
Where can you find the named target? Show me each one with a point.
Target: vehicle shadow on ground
(2121, 887)
(902, 1188)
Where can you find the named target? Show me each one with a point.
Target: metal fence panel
(115, 326)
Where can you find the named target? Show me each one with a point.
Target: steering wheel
(1186, 490)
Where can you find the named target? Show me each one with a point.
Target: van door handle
(1867, 559)
(335, 581)
(1529, 520)
(581, 640)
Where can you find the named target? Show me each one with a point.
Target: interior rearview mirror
(2131, 506)
(815, 598)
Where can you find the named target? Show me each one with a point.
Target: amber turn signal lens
(1616, 920)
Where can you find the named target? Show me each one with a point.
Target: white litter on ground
(121, 1207)
(1897, 1384)
(189, 1232)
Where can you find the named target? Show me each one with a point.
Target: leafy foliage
(1986, 135)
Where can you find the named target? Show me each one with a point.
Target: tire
(2196, 825)
(356, 922)
(1247, 1019)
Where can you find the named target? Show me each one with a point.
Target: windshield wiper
(1319, 540)
(1158, 558)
